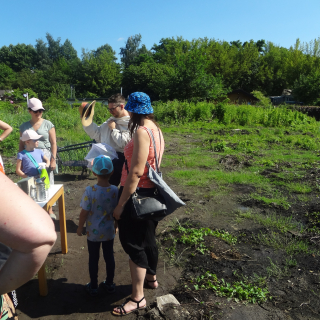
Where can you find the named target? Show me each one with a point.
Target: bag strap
(35, 163)
(155, 152)
(154, 148)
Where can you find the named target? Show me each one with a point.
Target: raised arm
(6, 130)
(93, 131)
(27, 230)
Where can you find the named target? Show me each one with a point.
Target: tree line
(175, 68)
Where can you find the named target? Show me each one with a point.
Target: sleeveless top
(128, 151)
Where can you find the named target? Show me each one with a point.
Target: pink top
(128, 151)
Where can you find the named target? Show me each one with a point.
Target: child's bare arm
(19, 172)
(82, 219)
(47, 161)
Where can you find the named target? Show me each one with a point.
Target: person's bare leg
(137, 276)
(150, 280)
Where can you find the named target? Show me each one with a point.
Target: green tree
(54, 47)
(105, 47)
(18, 57)
(100, 76)
(43, 61)
(237, 43)
(7, 76)
(261, 44)
(263, 100)
(132, 50)
(307, 88)
(153, 78)
(192, 80)
(68, 52)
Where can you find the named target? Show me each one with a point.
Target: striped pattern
(128, 151)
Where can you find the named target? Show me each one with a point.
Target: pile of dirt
(231, 132)
(236, 162)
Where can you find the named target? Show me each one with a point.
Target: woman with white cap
(46, 129)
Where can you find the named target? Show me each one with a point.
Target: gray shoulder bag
(160, 204)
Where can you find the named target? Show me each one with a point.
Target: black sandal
(124, 312)
(147, 283)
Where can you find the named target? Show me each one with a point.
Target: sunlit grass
(279, 222)
(281, 201)
(198, 177)
(290, 245)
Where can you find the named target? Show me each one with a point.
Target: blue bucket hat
(140, 103)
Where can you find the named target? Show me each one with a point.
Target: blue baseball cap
(101, 163)
(139, 102)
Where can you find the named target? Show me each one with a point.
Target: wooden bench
(73, 155)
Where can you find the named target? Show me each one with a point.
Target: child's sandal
(123, 312)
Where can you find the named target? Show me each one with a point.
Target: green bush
(183, 112)
(17, 94)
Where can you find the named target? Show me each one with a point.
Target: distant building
(2, 92)
(286, 97)
(240, 96)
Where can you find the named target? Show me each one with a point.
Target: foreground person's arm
(138, 163)
(28, 230)
(6, 130)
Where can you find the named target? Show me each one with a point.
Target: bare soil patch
(295, 290)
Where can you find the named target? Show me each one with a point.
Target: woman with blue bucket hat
(138, 236)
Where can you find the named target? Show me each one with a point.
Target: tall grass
(243, 115)
(69, 130)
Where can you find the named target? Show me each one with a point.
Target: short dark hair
(105, 176)
(117, 98)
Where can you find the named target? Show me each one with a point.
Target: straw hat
(86, 111)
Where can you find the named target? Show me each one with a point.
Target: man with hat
(113, 132)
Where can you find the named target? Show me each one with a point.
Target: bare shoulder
(141, 134)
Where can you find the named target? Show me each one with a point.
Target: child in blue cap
(98, 203)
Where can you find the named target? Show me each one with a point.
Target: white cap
(30, 135)
(35, 104)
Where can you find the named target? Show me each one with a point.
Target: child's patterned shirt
(100, 202)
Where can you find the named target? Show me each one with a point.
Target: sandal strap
(121, 307)
(137, 302)
(151, 280)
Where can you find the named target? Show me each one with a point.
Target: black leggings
(138, 239)
(94, 254)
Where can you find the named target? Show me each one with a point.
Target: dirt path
(68, 273)
(295, 292)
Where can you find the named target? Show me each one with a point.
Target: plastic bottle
(44, 173)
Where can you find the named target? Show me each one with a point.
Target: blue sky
(90, 24)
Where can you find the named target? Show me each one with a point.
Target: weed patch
(289, 244)
(283, 224)
(239, 290)
(281, 201)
